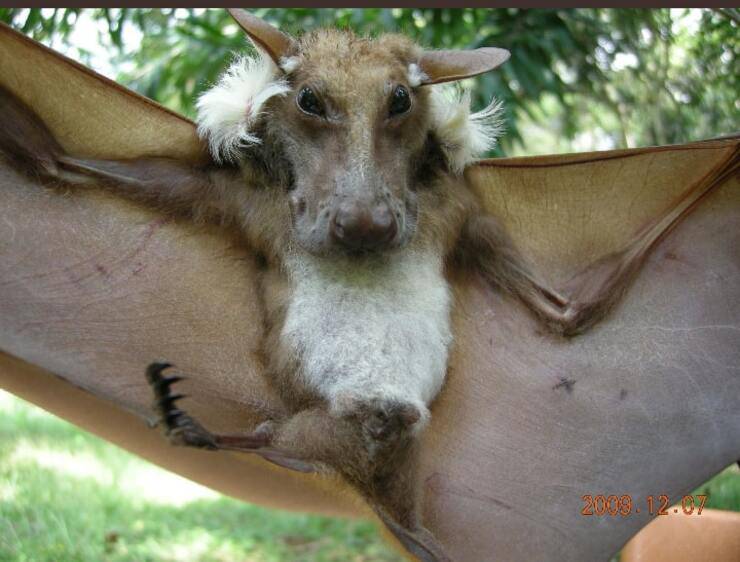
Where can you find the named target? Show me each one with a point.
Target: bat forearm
(169, 185)
(485, 247)
(172, 186)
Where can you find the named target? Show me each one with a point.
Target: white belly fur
(379, 328)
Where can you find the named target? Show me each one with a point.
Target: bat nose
(360, 227)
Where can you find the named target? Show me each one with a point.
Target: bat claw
(169, 400)
(171, 416)
(154, 371)
(180, 428)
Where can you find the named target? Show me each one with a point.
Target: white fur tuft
(416, 75)
(289, 64)
(228, 111)
(465, 137)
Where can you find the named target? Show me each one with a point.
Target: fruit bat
(552, 398)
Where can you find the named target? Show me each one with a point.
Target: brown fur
(303, 166)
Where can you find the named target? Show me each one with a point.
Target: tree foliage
(636, 77)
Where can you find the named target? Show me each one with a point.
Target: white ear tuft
(465, 137)
(228, 112)
(289, 64)
(416, 75)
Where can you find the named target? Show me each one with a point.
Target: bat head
(357, 123)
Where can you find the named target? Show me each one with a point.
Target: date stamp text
(622, 506)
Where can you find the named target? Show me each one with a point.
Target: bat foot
(385, 424)
(179, 427)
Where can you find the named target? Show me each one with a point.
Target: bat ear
(276, 43)
(446, 66)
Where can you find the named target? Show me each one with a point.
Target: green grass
(66, 495)
(723, 490)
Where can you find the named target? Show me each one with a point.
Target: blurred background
(578, 80)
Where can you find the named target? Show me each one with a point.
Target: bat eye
(309, 103)
(400, 101)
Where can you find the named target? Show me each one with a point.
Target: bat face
(354, 130)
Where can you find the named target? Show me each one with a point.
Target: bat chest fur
(379, 328)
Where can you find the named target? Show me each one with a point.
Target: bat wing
(642, 404)
(569, 211)
(92, 289)
(109, 243)
(89, 114)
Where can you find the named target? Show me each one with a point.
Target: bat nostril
(384, 223)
